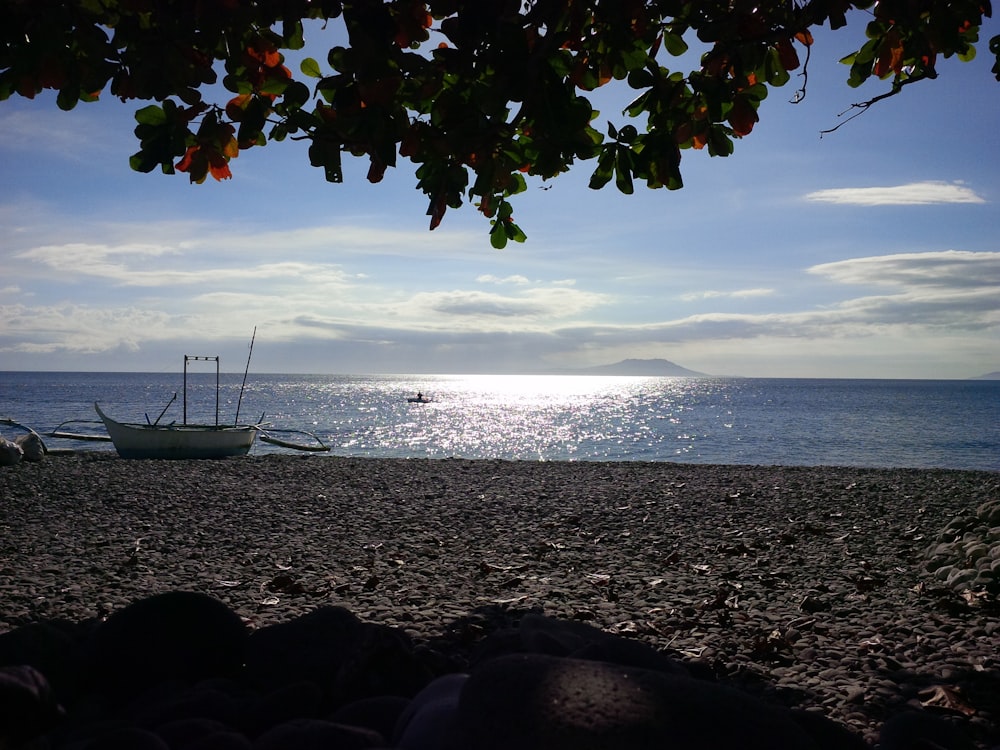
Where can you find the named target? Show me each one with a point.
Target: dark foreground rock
(163, 688)
(289, 602)
(183, 675)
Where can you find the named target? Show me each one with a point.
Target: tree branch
(800, 94)
(897, 86)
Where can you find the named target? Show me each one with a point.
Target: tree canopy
(477, 93)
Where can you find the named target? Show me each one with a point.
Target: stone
(10, 453)
(53, 648)
(32, 447)
(309, 648)
(430, 721)
(582, 641)
(540, 702)
(27, 705)
(297, 700)
(177, 635)
(919, 730)
(347, 658)
(315, 734)
(128, 738)
(380, 713)
(220, 741)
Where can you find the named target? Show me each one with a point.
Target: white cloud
(133, 265)
(949, 269)
(491, 279)
(736, 294)
(913, 194)
(80, 328)
(531, 308)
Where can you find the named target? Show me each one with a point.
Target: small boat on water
(420, 398)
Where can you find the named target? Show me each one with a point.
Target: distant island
(645, 367)
(988, 376)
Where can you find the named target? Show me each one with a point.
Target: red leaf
(185, 163)
(236, 106)
(787, 54)
(219, 170)
(439, 204)
(742, 117)
(890, 55)
(377, 170)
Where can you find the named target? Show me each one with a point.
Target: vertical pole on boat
(186, 388)
(216, 391)
(247, 370)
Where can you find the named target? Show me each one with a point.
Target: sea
(951, 424)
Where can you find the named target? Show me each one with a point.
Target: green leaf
(279, 132)
(638, 105)
(151, 115)
(674, 44)
(719, 143)
(498, 236)
(296, 94)
(605, 169)
(640, 79)
(327, 155)
(237, 84)
(773, 69)
(310, 68)
(292, 33)
(341, 59)
(514, 232)
(755, 93)
(275, 86)
(623, 170)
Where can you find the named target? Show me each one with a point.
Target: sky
(869, 252)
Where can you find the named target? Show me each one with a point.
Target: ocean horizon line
(519, 373)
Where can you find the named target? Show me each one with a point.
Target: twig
(897, 86)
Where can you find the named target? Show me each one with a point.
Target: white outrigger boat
(180, 441)
(184, 441)
(136, 440)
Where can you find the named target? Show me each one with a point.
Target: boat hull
(178, 441)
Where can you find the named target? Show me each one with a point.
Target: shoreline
(801, 584)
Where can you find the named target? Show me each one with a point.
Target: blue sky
(873, 251)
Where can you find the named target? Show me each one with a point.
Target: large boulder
(178, 635)
(32, 447)
(27, 705)
(541, 702)
(10, 453)
(347, 658)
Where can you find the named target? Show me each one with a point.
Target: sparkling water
(876, 423)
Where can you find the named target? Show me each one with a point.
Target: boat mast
(240, 400)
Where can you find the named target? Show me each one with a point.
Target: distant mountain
(648, 367)
(988, 376)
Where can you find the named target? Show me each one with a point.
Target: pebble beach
(806, 588)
